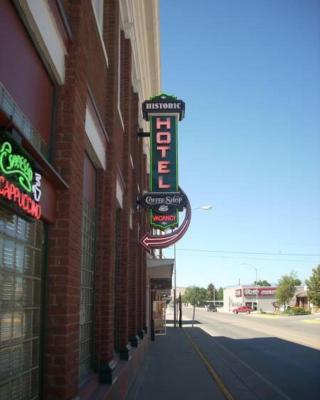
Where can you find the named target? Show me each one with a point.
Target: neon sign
(166, 198)
(19, 182)
(15, 164)
(10, 192)
(163, 147)
(163, 112)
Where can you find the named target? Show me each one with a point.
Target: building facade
(259, 298)
(73, 304)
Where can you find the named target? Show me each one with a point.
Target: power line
(250, 253)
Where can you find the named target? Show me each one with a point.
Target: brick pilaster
(64, 255)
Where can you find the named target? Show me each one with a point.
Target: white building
(260, 297)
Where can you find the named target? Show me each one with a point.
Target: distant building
(261, 298)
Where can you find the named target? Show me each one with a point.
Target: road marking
(247, 366)
(212, 372)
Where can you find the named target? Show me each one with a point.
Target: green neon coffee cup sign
(163, 112)
(15, 164)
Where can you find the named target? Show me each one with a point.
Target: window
(98, 7)
(21, 247)
(117, 281)
(98, 12)
(87, 271)
(121, 67)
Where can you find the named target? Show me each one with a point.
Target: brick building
(73, 280)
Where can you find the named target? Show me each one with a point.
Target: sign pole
(175, 288)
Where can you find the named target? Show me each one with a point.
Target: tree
(211, 292)
(195, 296)
(286, 288)
(262, 283)
(220, 294)
(313, 284)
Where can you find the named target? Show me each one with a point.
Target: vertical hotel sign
(163, 112)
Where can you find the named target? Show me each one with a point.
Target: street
(260, 356)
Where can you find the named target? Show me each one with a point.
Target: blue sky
(249, 73)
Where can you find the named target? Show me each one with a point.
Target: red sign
(267, 291)
(161, 218)
(11, 192)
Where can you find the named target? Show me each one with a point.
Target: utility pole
(180, 311)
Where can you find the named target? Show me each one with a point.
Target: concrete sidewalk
(173, 370)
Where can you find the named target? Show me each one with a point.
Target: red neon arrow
(159, 242)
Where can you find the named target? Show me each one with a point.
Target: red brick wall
(64, 254)
(105, 257)
(86, 67)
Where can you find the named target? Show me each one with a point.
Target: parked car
(244, 309)
(211, 307)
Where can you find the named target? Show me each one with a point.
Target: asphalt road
(260, 357)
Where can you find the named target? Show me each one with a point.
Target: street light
(256, 269)
(206, 207)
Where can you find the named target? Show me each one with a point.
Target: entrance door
(21, 244)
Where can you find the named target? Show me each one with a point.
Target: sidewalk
(173, 370)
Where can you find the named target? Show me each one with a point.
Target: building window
(120, 76)
(117, 281)
(98, 12)
(21, 251)
(87, 271)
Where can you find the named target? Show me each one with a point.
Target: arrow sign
(149, 241)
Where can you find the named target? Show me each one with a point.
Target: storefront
(258, 298)
(27, 197)
(159, 273)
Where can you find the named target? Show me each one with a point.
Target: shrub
(296, 311)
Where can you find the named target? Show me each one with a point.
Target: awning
(160, 272)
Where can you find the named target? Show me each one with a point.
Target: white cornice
(140, 22)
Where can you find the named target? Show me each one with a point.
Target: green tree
(313, 284)
(195, 296)
(262, 283)
(286, 288)
(219, 295)
(211, 291)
